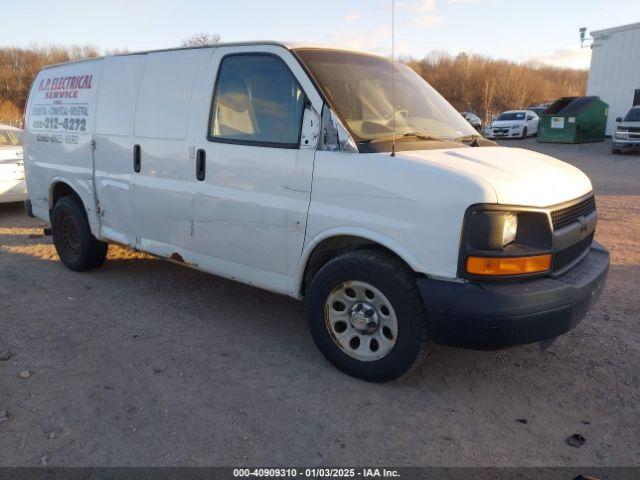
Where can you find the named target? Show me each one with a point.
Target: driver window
(257, 101)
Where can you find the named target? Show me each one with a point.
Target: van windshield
(359, 89)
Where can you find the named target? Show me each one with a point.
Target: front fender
(412, 206)
(372, 236)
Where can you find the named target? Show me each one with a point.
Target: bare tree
(201, 40)
(487, 86)
(9, 113)
(18, 68)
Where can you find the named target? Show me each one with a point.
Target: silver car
(473, 119)
(12, 184)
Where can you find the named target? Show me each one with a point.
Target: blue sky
(521, 30)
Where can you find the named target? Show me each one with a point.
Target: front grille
(566, 216)
(565, 257)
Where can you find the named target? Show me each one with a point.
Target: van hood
(518, 176)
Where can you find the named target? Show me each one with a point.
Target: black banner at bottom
(407, 473)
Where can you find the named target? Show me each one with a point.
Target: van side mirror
(529, 117)
(335, 137)
(619, 119)
(310, 127)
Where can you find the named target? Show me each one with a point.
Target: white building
(614, 74)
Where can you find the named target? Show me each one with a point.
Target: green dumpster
(574, 120)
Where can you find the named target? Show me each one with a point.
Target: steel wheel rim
(361, 321)
(70, 234)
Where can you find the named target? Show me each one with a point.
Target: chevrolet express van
(294, 169)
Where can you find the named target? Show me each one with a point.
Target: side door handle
(201, 164)
(137, 158)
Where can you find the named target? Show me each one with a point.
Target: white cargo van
(275, 165)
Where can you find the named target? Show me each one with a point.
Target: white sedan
(514, 124)
(12, 184)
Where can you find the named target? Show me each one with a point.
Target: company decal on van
(65, 87)
(62, 106)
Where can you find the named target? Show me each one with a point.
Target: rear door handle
(201, 164)
(137, 158)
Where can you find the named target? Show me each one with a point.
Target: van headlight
(499, 241)
(509, 228)
(493, 230)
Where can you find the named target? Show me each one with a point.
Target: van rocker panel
(492, 315)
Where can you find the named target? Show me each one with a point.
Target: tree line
(18, 68)
(475, 83)
(487, 86)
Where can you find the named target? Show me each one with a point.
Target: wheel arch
(333, 243)
(61, 187)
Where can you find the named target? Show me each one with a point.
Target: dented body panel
(126, 134)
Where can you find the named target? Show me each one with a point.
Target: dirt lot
(143, 362)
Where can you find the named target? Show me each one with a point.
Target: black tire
(524, 132)
(77, 248)
(397, 284)
(615, 151)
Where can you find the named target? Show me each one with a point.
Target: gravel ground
(144, 362)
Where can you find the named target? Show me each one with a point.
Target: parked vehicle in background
(13, 187)
(513, 124)
(416, 229)
(627, 135)
(538, 109)
(473, 119)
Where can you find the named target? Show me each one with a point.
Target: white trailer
(614, 75)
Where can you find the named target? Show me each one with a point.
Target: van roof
(287, 45)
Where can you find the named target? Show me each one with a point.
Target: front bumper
(626, 144)
(489, 316)
(504, 134)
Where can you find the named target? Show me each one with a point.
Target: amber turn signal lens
(508, 266)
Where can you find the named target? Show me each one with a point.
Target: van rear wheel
(77, 248)
(366, 316)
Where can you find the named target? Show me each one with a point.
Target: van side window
(257, 101)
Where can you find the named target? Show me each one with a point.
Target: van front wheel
(366, 316)
(77, 248)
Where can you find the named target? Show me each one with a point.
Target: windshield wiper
(420, 136)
